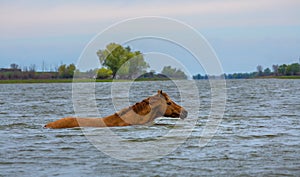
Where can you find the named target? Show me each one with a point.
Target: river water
(259, 134)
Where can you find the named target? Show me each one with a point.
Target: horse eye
(169, 103)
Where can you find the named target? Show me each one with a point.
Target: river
(259, 134)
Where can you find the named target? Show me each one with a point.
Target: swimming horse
(140, 113)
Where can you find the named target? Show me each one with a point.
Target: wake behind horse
(140, 113)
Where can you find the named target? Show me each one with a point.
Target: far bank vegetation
(117, 62)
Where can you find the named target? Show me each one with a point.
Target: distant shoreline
(279, 77)
(42, 81)
(36, 81)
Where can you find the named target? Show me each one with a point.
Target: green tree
(65, 71)
(173, 73)
(168, 70)
(70, 70)
(104, 73)
(137, 65)
(282, 69)
(114, 56)
(267, 72)
(293, 69)
(62, 71)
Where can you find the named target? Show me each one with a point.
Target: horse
(140, 113)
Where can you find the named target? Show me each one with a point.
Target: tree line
(280, 70)
(15, 73)
(117, 62)
(123, 63)
(277, 70)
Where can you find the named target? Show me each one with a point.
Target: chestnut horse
(141, 113)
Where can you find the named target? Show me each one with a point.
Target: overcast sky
(243, 33)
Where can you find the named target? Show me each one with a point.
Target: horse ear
(159, 91)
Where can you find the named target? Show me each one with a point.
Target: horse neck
(139, 113)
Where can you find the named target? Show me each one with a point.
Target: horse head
(168, 107)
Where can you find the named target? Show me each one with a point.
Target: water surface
(259, 134)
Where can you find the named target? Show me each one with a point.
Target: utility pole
(43, 66)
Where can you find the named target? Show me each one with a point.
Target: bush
(104, 73)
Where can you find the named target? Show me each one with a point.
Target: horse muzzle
(183, 114)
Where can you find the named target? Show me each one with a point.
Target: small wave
(67, 148)
(67, 135)
(19, 126)
(141, 140)
(14, 125)
(266, 136)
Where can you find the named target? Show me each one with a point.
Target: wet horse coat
(140, 113)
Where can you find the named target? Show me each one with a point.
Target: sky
(243, 33)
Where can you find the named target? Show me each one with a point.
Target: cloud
(90, 16)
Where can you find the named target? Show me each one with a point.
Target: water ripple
(259, 135)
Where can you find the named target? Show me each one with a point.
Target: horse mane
(141, 108)
(138, 107)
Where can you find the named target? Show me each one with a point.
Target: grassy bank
(29, 81)
(35, 81)
(287, 77)
(278, 77)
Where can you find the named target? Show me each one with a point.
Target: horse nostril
(183, 114)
